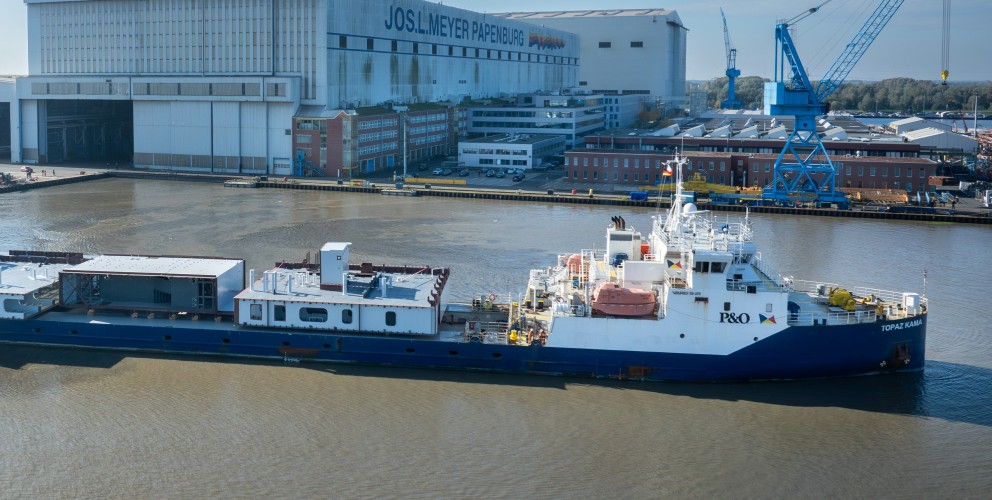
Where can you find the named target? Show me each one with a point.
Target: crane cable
(945, 49)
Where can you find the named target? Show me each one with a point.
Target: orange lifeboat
(610, 299)
(574, 263)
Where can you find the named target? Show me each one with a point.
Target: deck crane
(945, 44)
(732, 71)
(803, 170)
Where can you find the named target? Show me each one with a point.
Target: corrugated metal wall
(242, 37)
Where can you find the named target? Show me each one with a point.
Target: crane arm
(945, 44)
(852, 53)
(731, 52)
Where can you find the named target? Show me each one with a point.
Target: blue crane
(803, 169)
(732, 71)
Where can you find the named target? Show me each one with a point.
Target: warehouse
(200, 85)
(644, 50)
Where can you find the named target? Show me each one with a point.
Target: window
(605, 45)
(583, 83)
(256, 311)
(701, 267)
(451, 50)
(313, 314)
(370, 43)
(279, 312)
(343, 42)
(390, 318)
(395, 46)
(346, 316)
(636, 45)
(434, 49)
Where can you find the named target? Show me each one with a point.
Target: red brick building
(342, 143)
(742, 169)
(639, 159)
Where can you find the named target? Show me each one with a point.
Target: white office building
(567, 115)
(509, 151)
(624, 51)
(208, 85)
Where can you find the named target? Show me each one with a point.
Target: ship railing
(752, 286)
(766, 269)
(822, 289)
(833, 318)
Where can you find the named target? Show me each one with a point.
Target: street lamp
(974, 123)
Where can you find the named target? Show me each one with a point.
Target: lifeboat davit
(610, 298)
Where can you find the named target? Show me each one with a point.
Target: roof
(558, 14)
(316, 111)
(905, 121)
(923, 133)
(393, 289)
(514, 139)
(156, 266)
(24, 278)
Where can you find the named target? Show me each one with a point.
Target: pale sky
(909, 46)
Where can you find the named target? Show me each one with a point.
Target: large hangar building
(214, 85)
(624, 51)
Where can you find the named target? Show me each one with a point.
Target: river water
(109, 425)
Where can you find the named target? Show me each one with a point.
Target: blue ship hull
(794, 353)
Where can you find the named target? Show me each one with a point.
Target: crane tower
(732, 71)
(803, 170)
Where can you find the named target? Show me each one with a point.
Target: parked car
(490, 173)
(500, 174)
(463, 172)
(422, 167)
(518, 177)
(447, 171)
(438, 171)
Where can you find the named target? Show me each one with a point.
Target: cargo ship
(691, 301)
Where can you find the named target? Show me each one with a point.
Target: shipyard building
(624, 51)
(210, 86)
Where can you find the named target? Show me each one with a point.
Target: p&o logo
(729, 317)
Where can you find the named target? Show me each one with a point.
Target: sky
(909, 46)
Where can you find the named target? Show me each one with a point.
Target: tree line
(904, 95)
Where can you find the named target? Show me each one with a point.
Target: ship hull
(794, 353)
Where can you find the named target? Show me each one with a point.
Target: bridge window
(256, 311)
(313, 314)
(346, 316)
(279, 312)
(390, 318)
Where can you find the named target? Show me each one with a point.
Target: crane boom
(852, 53)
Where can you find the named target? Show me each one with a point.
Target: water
(101, 424)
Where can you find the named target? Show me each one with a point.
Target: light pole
(974, 122)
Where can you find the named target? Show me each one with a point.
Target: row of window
(415, 48)
(377, 148)
(378, 136)
(312, 314)
(607, 45)
(380, 123)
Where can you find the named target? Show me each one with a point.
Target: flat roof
(156, 266)
(508, 139)
(409, 290)
(586, 13)
(23, 278)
